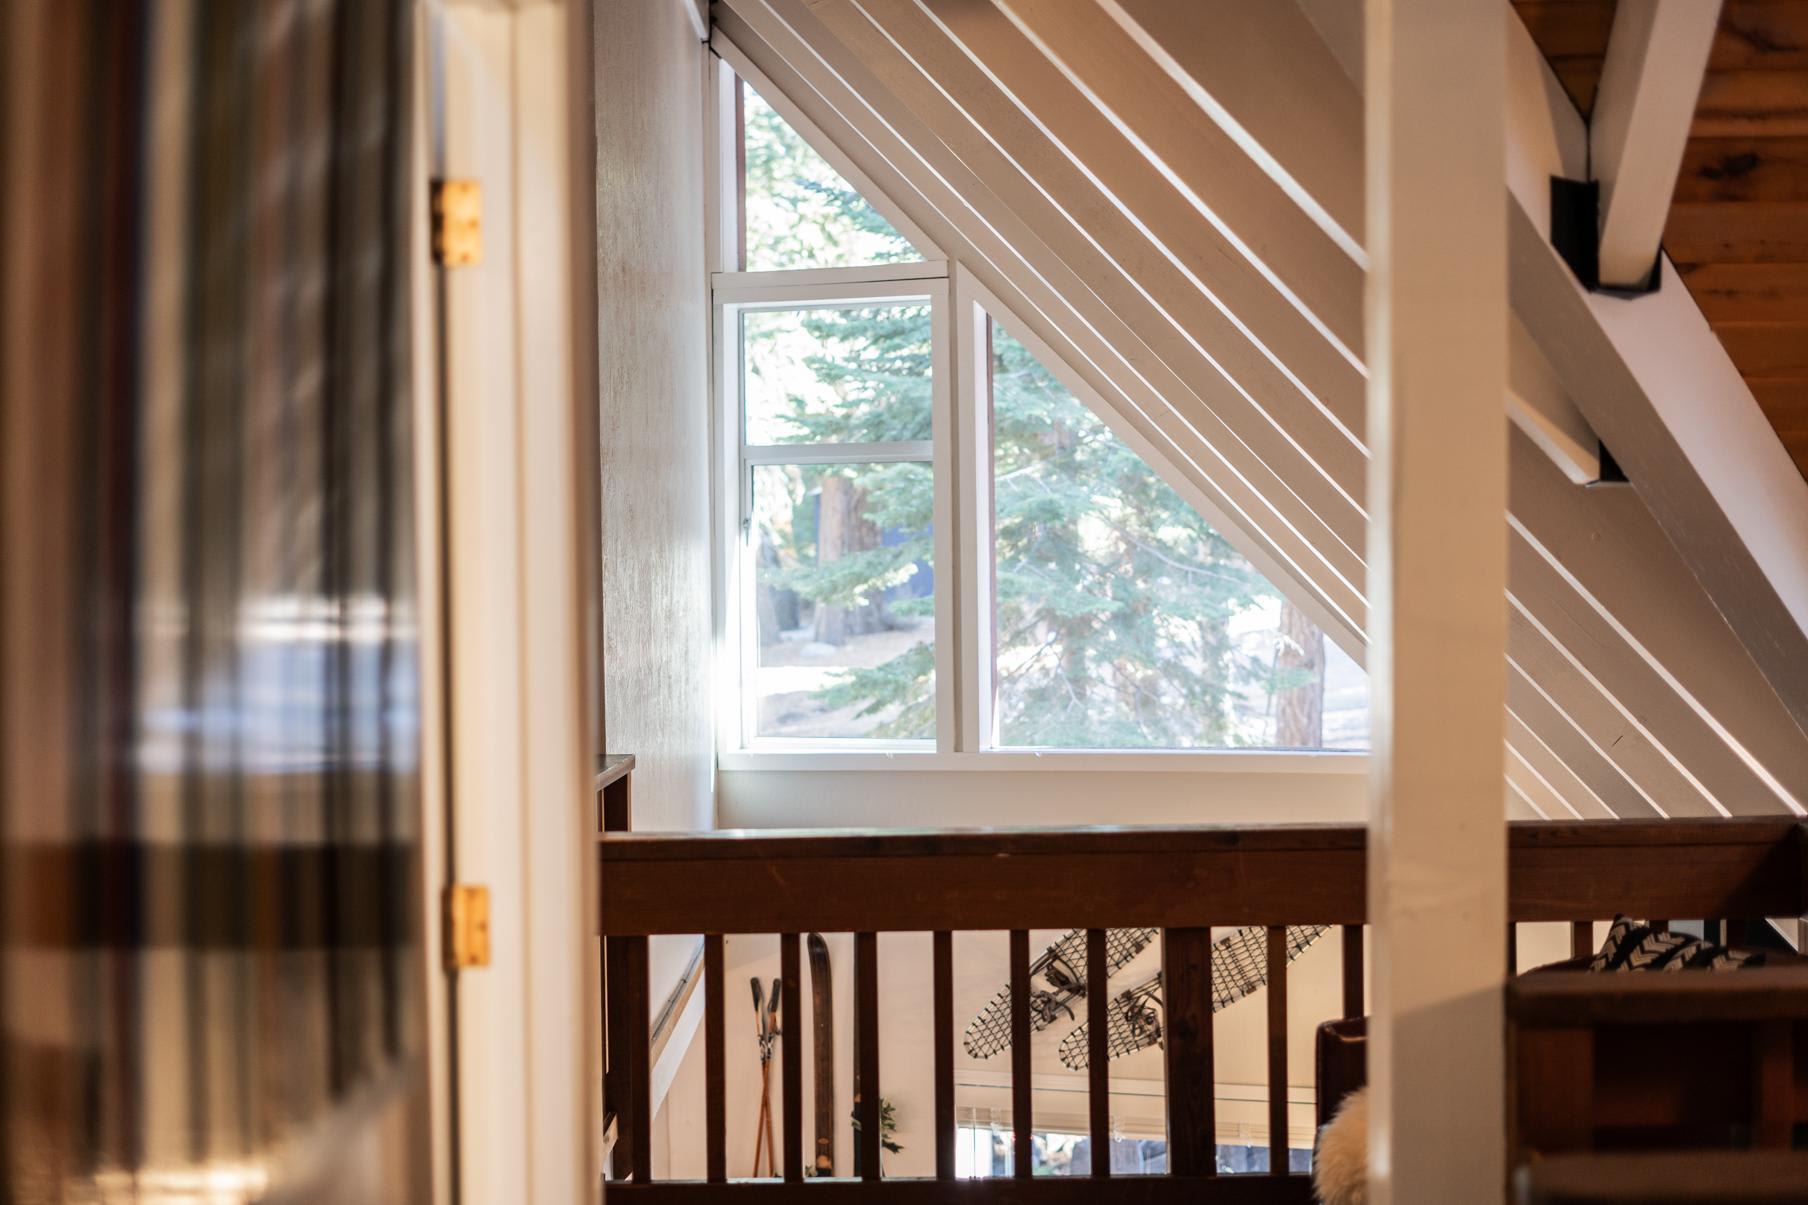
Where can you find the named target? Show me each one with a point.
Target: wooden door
(212, 980)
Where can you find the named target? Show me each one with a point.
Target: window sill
(1182, 761)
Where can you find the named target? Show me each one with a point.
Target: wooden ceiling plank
(1640, 122)
(1730, 233)
(1767, 350)
(1749, 292)
(1785, 403)
(1752, 104)
(1744, 169)
(1769, 34)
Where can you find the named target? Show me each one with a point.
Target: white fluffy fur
(1340, 1170)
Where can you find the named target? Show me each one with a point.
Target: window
(917, 562)
(796, 210)
(985, 1152)
(1122, 619)
(837, 612)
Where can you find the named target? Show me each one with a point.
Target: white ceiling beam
(1265, 73)
(1540, 407)
(1231, 58)
(1205, 161)
(1531, 751)
(1576, 749)
(1209, 312)
(1437, 347)
(1536, 651)
(1657, 55)
(1182, 436)
(1697, 762)
(1624, 570)
(1100, 351)
(1655, 383)
(1097, 243)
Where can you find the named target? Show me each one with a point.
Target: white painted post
(1437, 340)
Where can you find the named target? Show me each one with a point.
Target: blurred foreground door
(213, 984)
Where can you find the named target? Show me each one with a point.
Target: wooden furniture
(1685, 1060)
(1182, 880)
(1668, 1178)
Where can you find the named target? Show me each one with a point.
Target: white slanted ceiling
(1185, 250)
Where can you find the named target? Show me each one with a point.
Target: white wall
(1059, 1100)
(655, 407)
(966, 798)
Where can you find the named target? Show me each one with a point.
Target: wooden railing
(1180, 880)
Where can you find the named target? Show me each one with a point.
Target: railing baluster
(1581, 938)
(1773, 1084)
(866, 1051)
(1098, 1051)
(638, 1118)
(1186, 973)
(715, 1061)
(791, 1052)
(943, 988)
(1277, 1050)
(1352, 971)
(1022, 1158)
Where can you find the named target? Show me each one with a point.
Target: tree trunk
(1299, 711)
(841, 528)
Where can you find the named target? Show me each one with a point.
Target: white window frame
(961, 457)
(734, 294)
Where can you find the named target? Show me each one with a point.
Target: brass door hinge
(457, 223)
(467, 926)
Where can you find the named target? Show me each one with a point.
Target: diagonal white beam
(1650, 80)
(1096, 344)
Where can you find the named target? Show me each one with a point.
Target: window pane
(837, 374)
(802, 213)
(1123, 619)
(844, 601)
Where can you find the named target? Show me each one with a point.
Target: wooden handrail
(1570, 1001)
(787, 881)
(1182, 881)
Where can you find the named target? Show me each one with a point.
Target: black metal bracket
(1610, 473)
(1576, 234)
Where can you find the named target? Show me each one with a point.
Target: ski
(1239, 967)
(1062, 971)
(822, 1018)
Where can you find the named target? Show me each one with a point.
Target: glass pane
(844, 601)
(802, 213)
(837, 374)
(1123, 619)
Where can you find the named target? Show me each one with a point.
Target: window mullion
(972, 480)
(826, 453)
